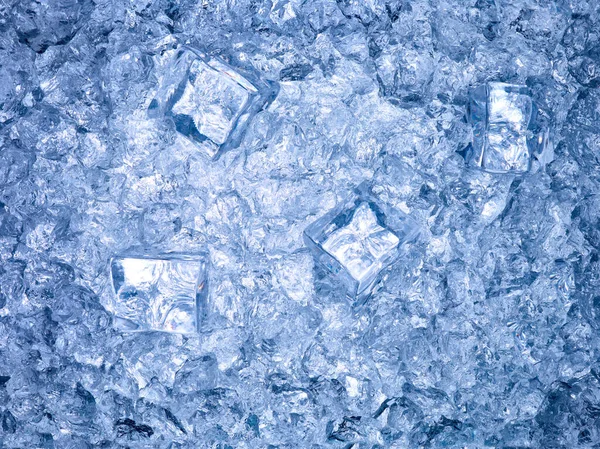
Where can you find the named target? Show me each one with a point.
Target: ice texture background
(486, 336)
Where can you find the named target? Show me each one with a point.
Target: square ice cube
(355, 242)
(502, 118)
(158, 293)
(209, 102)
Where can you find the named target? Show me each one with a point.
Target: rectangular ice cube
(158, 293)
(356, 242)
(501, 115)
(209, 102)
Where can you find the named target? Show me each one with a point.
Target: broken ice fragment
(53, 22)
(356, 243)
(209, 102)
(505, 134)
(163, 293)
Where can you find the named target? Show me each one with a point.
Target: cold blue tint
(397, 203)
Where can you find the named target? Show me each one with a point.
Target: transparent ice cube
(356, 242)
(209, 102)
(505, 134)
(161, 293)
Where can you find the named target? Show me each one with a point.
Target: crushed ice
(161, 163)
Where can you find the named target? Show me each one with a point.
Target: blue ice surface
(154, 125)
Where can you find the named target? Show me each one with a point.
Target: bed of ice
(483, 334)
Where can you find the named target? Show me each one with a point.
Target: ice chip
(209, 102)
(163, 293)
(54, 22)
(356, 242)
(505, 135)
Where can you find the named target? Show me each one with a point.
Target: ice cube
(355, 242)
(503, 120)
(209, 102)
(158, 293)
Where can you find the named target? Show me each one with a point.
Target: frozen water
(482, 333)
(163, 293)
(355, 243)
(503, 140)
(509, 112)
(41, 25)
(209, 102)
